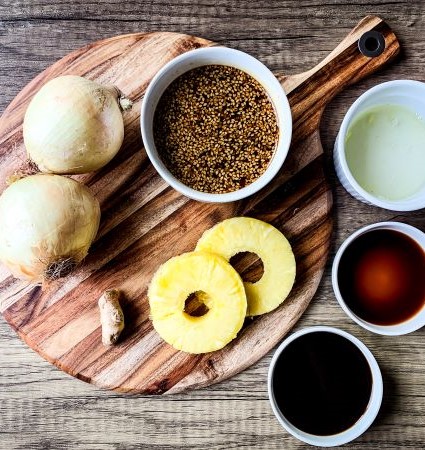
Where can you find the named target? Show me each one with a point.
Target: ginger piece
(111, 316)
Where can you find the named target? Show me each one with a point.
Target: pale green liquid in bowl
(385, 151)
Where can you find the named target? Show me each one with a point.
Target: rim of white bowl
(340, 148)
(282, 109)
(409, 326)
(362, 424)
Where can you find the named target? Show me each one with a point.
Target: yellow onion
(47, 224)
(74, 125)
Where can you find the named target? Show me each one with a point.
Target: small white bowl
(408, 326)
(219, 56)
(407, 93)
(362, 424)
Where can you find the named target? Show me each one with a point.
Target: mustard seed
(215, 129)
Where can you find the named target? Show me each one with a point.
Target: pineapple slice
(221, 290)
(244, 234)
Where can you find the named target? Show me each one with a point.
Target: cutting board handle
(370, 45)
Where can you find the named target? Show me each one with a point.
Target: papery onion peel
(47, 224)
(74, 125)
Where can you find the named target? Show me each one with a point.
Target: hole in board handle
(371, 43)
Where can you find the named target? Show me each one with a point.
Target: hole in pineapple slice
(195, 304)
(249, 266)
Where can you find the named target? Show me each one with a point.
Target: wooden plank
(41, 407)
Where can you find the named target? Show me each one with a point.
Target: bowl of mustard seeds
(216, 124)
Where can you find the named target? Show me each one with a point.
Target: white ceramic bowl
(365, 420)
(220, 56)
(410, 325)
(402, 92)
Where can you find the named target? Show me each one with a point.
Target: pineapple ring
(225, 298)
(244, 234)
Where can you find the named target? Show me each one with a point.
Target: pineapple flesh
(245, 234)
(222, 292)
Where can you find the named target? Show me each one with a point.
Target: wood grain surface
(40, 407)
(145, 222)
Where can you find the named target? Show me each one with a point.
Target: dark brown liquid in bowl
(322, 383)
(381, 277)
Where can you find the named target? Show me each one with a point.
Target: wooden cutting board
(145, 222)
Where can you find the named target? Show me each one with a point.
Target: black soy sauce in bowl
(325, 386)
(322, 383)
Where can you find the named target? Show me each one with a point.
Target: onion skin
(73, 125)
(47, 224)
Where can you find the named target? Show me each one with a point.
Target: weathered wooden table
(41, 407)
